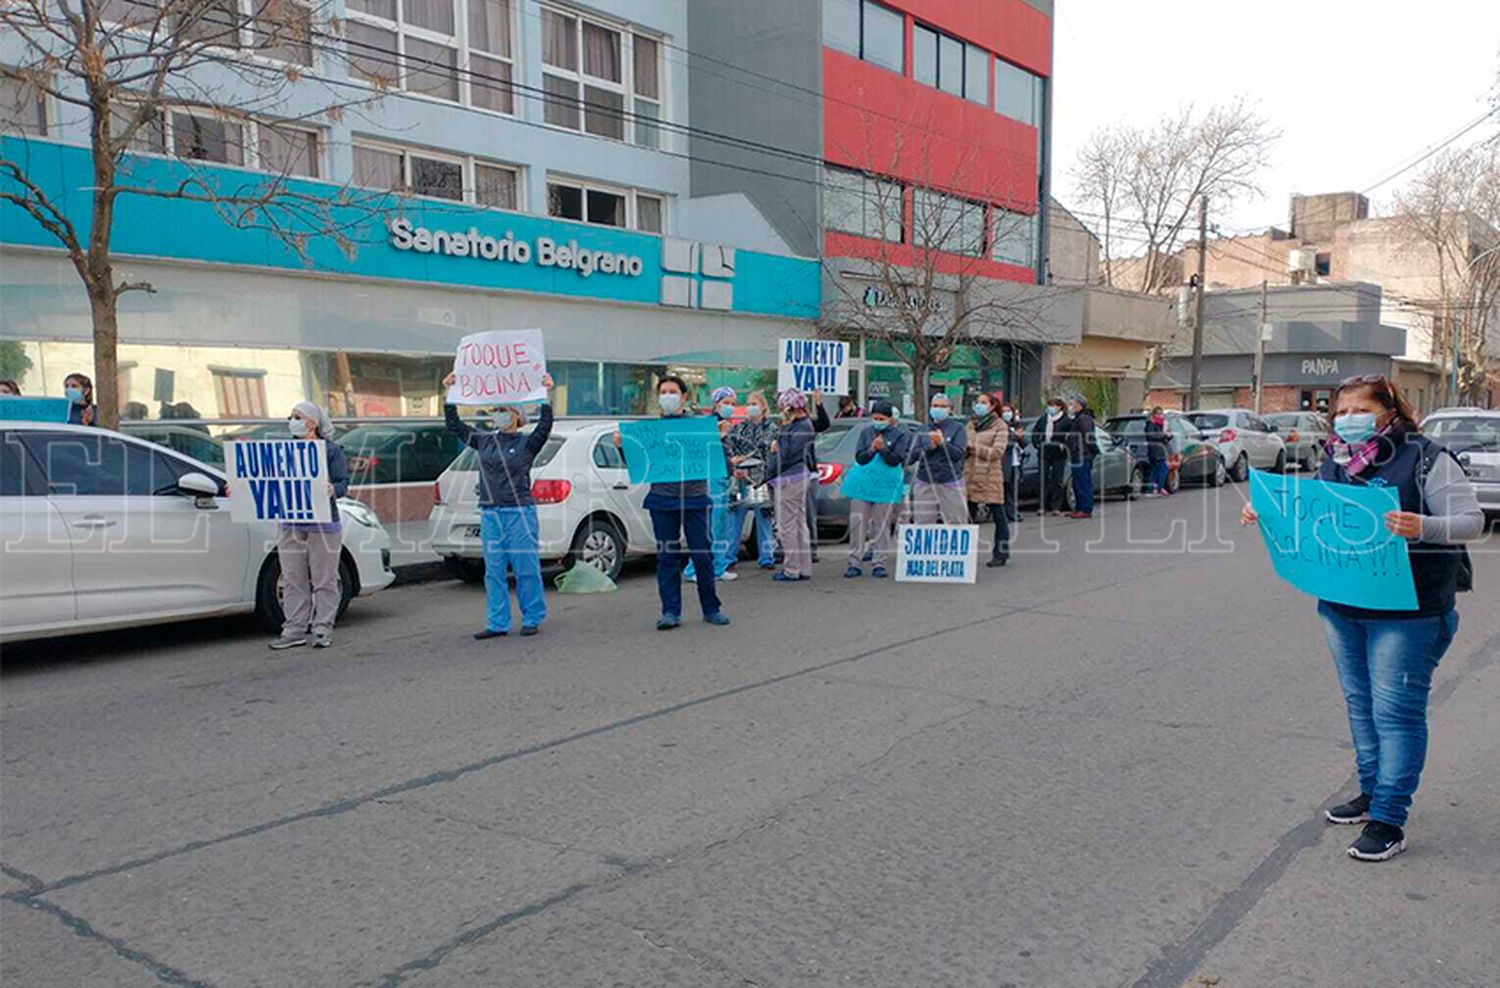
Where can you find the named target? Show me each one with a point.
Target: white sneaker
(322, 639)
(729, 576)
(288, 641)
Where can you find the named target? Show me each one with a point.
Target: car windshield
(1465, 432)
(1292, 419)
(1208, 420)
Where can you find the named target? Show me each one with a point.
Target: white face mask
(504, 420)
(670, 402)
(1054, 413)
(755, 411)
(981, 409)
(299, 427)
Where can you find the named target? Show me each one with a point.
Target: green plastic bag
(583, 578)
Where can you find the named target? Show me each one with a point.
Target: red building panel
(1015, 31)
(906, 256)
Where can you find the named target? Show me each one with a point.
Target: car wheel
(1241, 471)
(599, 544)
(1280, 466)
(467, 570)
(1221, 473)
(1174, 480)
(268, 609)
(1314, 460)
(1137, 483)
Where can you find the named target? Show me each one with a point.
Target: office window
(977, 75)
(495, 186)
(866, 30)
(924, 55)
(283, 30)
(648, 213)
(413, 46)
(647, 91)
(23, 108)
(438, 178)
(1015, 238)
(212, 22)
(207, 139)
(1018, 93)
(241, 394)
(377, 168)
(947, 223)
(565, 201)
(288, 150)
(605, 206)
(862, 205)
(422, 173)
(585, 79)
(841, 25)
(372, 53)
(944, 62)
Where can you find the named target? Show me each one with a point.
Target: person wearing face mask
(937, 492)
(1158, 441)
(1049, 436)
(309, 552)
(882, 446)
(1386, 658)
(507, 512)
(680, 516)
(788, 475)
(1016, 441)
(1083, 448)
(79, 390)
(984, 476)
(721, 514)
(849, 408)
(749, 445)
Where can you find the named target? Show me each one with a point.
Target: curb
(409, 574)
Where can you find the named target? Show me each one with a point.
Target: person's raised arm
(455, 425)
(538, 437)
(820, 421)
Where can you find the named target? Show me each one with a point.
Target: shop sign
(544, 252)
(1320, 366)
(878, 298)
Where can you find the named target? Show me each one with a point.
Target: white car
(102, 530)
(1244, 440)
(587, 508)
(1472, 435)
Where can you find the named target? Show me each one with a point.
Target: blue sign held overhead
(1330, 540)
(673, 450)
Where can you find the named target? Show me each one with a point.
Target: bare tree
(1453, 207)
(208, 72)
(1145, 182)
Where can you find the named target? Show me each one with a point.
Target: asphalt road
(1102, 765)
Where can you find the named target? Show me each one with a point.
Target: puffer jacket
(984, 475)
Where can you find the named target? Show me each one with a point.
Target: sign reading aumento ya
(544, 252)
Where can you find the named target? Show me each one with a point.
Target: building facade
(516, 164)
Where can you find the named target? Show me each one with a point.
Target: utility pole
(1262, 331)
(1194, 389)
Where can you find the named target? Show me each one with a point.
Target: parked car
(1116, 470)
(1192, 459)
(399, 452)
(1472, 435)
(1305, 435)
(1244, 439)
(105, 530)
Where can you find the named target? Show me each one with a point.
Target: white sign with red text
(500, 367)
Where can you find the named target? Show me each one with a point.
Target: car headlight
(358, 512)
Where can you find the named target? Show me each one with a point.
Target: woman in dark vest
(1385, 659)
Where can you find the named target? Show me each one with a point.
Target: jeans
(672, 527)
(1385, 668)
(1083, 486)
(509, 536)
(726, 545)
(1001, 547)
(765, 534)
(1012, 488)
(1158, 477)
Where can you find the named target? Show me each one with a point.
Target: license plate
(471, 531)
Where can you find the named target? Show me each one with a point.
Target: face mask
(726, 411)
(1054, 413)
(669, 402)
(1355, 427)
(755, 412)
(75, 395)
(881, 424)
(981, 409)
(1007, 416)
(299, 427)
(939, 413)
(504, 420)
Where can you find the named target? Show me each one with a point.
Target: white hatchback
(587, 508)
(102, 530)
(1243, 438)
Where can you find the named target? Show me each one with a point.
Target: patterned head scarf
(725, 393)
(791, 400)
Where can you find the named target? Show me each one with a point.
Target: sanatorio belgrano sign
(544, 252)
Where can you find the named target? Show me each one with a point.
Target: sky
(1358, 87)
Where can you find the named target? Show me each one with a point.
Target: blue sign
(673, 450)
(388, 236)
(19, 409)
(1330, 540)
(876, 482)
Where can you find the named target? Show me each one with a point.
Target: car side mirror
(202, 487)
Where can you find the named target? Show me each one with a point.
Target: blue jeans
(765, 534)
(719, 522)
(1159, 473)
(1083, 486)
(509, 536)
(1385, 668)
(672, 527)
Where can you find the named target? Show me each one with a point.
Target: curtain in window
(559, 40)
(494, 187)
(647, 68)
(489, 26)
(601, 52)
(377, 169)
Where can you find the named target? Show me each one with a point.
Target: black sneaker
(1357, 810)
(1379, 842)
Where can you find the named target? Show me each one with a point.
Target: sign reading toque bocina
(283, 480)
(500, 367)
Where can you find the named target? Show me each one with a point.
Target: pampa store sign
(544, 252)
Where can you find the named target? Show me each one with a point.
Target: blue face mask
(1007, 416)
(939, 413)
(881, 424)
(504, 420)
(1355, 427)
(726, 411)
(75, 395)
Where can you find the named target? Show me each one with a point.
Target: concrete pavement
(1102, 765)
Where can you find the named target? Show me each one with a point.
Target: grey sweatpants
(309, 579)
(870, 527)
(791, 525)
(931, 503)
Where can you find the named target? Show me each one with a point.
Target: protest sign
(501, 367)
(814, 365)
(937, 553)
(16, 408)
(1330, 540)
(877, 482)
(278, 480)
(672, 450)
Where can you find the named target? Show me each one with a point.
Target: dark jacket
(1057, 449)
(504, 458)
(1014, 447)
(1080, 436)
(1157, 442)
(76, 412)
(897, 445)
(820, 423)
(793, 450)
(942, 464)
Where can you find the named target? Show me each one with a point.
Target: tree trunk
(104, 308)
(98, 268)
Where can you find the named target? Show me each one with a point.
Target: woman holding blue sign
(309, 551)
(507, 512)
(726, 543)
(875, 487)
(788, 475)
(1386, 658)
(749, 446)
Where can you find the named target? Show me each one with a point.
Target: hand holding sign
(502, 367)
